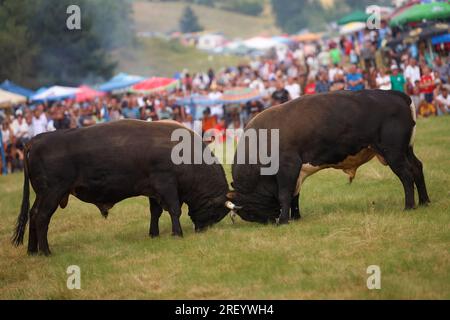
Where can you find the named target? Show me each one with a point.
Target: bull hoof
(296, 217)
(32, 252)
(424, 203)
(279, 221)
(46, 253)
(175, 234)
(410, 208)
(155, 235)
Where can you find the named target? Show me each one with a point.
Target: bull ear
(231, 195)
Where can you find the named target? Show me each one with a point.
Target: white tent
(261, 43)
(55, 93)
(8, 98)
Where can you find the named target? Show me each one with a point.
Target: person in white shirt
(333, 71)
(412, 71)
(443, 102)
(383, 80)
(293, 88)
(39, 121)
(20, 127)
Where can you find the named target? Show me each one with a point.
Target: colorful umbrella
(85, 94)
(240, 95)
(352, 27)
(8, 98)
(155, 84)
(120, 81)
(355, 16)
(55, 93)
(423, 11)
(14, 88)
(197, 100)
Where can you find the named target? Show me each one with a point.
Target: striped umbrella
(240, 95)
(155, 84)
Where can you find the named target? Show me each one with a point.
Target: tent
(201, 100)
(422, 11)
(307, 37)
(55, 93)
(239, 95)
(260, 43)
(120, 81)
(155, 84)
(86, 93)
(8, 98)
(444, 38)
(355, 16)
(14, 88)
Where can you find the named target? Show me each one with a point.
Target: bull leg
(287, 181)
(400, 165)
(32, 236)
(47, 207)
(419, 179)
(175, 213)
(295, 210)
(155, 212)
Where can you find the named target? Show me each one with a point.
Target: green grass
(344, 229)
(159, 57)
(164, 17)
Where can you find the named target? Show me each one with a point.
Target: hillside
(158, 57)
(164, 16)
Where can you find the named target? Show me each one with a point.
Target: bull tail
(22, 219)
(414, 118)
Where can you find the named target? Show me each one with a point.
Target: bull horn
(230, 205)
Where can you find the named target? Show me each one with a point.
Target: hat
(19, 112)
(394, 67)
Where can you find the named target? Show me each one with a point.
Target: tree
(17, 51)
(189, 21)
(37, 48)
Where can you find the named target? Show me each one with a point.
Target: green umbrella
(425, 11)
(355, 16)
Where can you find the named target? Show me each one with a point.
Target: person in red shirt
(310, 86)
(427, 85)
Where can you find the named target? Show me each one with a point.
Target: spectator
(426, 109)
(20, 127)
(322, 84)
(355, 81)
(280, 95)
(165, 112)
(39, 121)
(442, 69)
(427, 84)
(383, 80)
(442, 101)
(293, 88)
(398, 81)
(412, 71)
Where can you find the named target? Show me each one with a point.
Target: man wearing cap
(20, 128)
(398, 81)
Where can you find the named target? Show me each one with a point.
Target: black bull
(340, 130)
(107, 163)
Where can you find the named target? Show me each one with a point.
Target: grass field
(159, 57)
(344, 229)
(164, 17)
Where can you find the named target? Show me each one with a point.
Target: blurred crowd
(347, 64)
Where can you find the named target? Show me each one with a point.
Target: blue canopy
(14, 88)
(443, 38)
(120, 81)
(198, 100)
